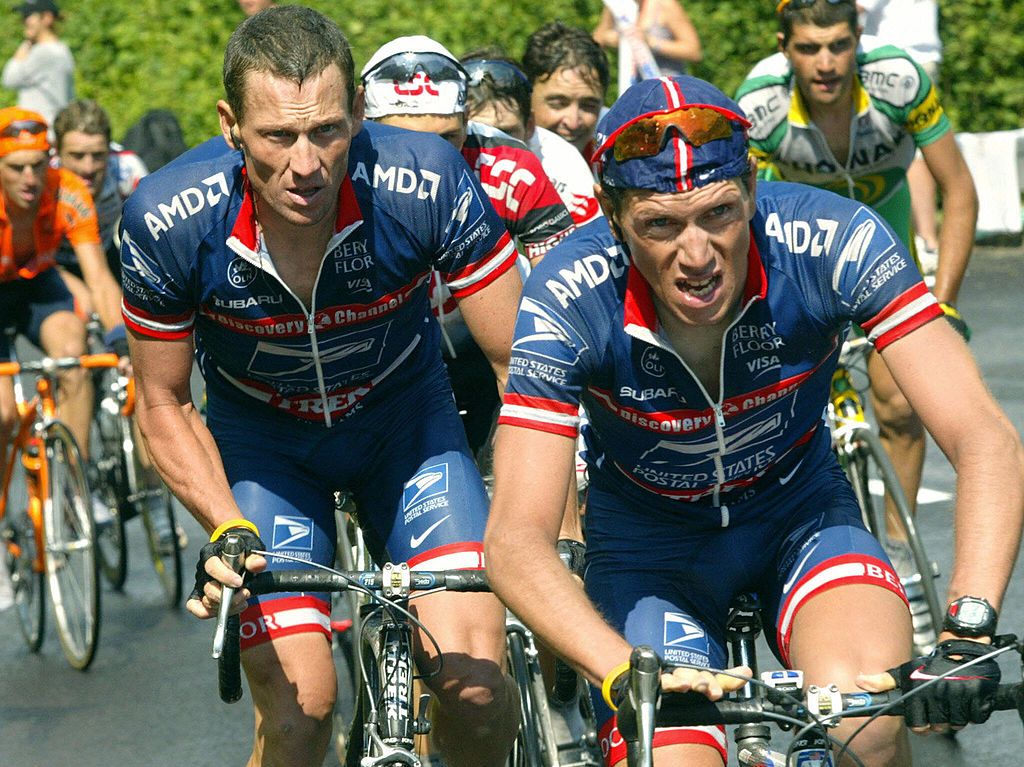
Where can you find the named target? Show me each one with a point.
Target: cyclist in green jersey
(831, 93)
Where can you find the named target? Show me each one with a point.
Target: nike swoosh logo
(785, 479)
(417, 540)
(796, 571)
(918, 675)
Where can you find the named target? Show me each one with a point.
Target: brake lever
(233, 557)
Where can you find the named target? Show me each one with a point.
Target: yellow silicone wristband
(233, 523)
(612, 678)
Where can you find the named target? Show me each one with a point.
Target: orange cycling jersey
(65, 210)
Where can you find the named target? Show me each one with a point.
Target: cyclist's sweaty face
(691, 247)
(86, 155)
(296, 140)
(569, 102)
(824, 61)
(22, 175)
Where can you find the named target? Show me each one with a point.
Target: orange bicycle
(46, 522)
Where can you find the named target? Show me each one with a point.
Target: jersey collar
(245, 231)
(640, 317)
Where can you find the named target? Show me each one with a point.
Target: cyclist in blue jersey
(700, 327)
(292, 256)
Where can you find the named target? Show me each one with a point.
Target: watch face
(972, 613)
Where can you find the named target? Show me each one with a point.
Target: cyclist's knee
(296, 691)
(896, 418)
(470, 684)
(883, 742)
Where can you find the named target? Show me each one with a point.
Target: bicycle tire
(869, 462)
(161, 527)
(528, 749)
(21, 548)
(72, 567)
(109, 483)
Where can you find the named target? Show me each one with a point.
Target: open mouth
(305, 195)
(699, 289)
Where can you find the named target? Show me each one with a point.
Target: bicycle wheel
(21, 551)
(147, 497)
(108, 484)
(874, 481)
(71, 566)
(534, 745)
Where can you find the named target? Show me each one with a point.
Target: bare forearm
(956, 240)
(107, 299)
(186, 457)
(989, 514)
(527, 575)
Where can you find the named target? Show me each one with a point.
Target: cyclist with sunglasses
(39, 207)
(701, 341)
(500, 96)
(291, 257)
(416, 83)
(847, 113)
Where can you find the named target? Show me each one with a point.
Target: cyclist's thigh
(663, 602)
(826, 562)
(268, 468)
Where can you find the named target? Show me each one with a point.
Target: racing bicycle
(883, 504)
(46, 522)
(125, 486)
(780, 697)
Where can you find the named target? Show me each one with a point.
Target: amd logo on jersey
(186, 203)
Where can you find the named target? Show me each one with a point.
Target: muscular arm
(959, 214)
(106, 295)
(939, 377)
(532, 470)
(179, 443)
(490, 315)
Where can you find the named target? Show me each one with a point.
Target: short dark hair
(820, 14)
(287, 41)
(487, 91)
(558, 46)
(83, 115)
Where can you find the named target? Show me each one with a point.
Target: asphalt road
(150, 698)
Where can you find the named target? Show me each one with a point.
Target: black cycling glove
(250, 540)
(954, 318)
(963, 697)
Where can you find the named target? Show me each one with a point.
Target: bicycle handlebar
(49, 365)
(228, 663)
(691, 709)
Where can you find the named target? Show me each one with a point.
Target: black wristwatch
(970, 617)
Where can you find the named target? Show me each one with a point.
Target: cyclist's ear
(228, 124)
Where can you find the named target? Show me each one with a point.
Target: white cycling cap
(414, 75)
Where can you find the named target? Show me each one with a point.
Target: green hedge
(137, 55)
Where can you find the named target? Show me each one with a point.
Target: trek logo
(339, 357)
(541, 333)
(401, 180)
(590, 271)
(417, 86)
(682, 630)
(800, 237)
(186, 203)
(292, 533)
(429, 482)
(140, 265)
(501, 179)
(241, 273)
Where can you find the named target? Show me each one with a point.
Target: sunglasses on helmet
(501, 73)
(797, 4)
(16, 128)
(403, 67)
(645, 136)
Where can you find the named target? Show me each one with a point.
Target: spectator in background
(569, 74)
(913, 25)
(499, 95)
(111, 173)
(252, 7)
(665, 27)
(42, 69)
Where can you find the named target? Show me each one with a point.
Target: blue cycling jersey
(194, 261)
(587, 332)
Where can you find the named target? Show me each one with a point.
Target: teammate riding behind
(846, 113)
(300, 278)
(702, 348)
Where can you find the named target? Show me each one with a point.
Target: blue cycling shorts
(670, 587)
(419, 495)
(25, 304)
